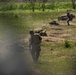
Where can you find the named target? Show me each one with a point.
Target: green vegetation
(67, 44)
(56, 58)
(37, 6)
(58, 61)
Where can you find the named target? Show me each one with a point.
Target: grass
(55, 59)
(59, 61)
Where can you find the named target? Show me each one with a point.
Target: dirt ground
(60, 32)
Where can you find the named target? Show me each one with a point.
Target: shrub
(67, 44)
(49, 6)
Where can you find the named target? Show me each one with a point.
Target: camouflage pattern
(35, 47)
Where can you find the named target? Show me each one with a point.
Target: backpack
(36, 39)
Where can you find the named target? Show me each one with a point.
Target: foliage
(38, 6)
(67, 44)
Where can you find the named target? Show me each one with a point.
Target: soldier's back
(36, 39)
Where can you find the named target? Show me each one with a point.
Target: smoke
(12, 56)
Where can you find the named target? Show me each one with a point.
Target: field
(55, 58)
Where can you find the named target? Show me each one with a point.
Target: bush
(38, 6)
(49, 6)
(67, 44)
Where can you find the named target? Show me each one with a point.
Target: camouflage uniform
(35, 47)
(69, 17)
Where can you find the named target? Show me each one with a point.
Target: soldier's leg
(33, 54)
(68, 22)
(38, 52)
(37, 55)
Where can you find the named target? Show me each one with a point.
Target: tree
(43, 4)
(73, 4)
(32, 4)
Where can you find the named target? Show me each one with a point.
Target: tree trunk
(33, 8)
(43, 7)
(73, 4)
